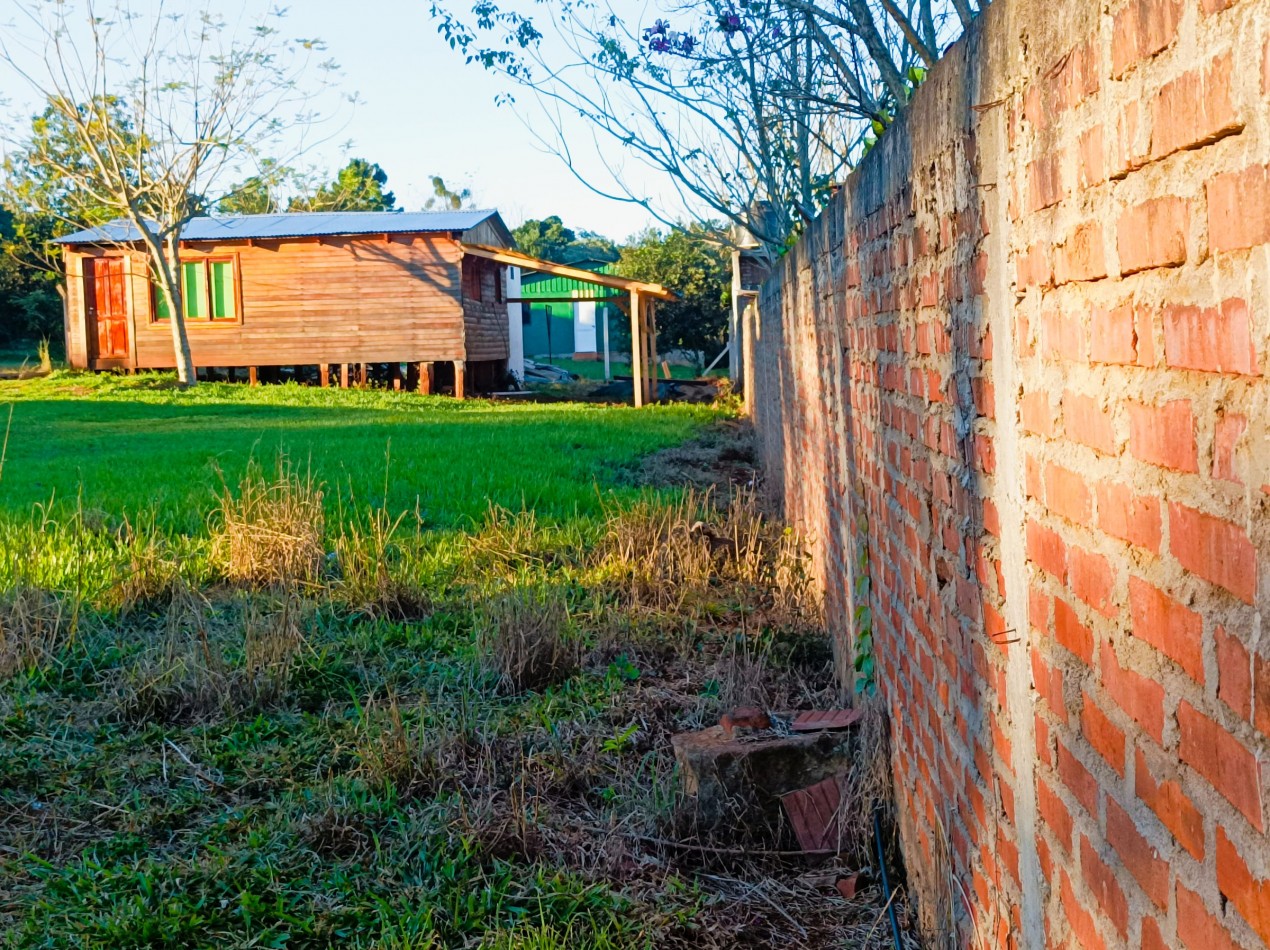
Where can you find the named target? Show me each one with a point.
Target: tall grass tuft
(271, 532)
(34, 626)
(524, 638)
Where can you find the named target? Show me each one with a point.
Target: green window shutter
(194, 290)
(223, 300)
(161, 311)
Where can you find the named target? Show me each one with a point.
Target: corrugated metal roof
(301, 224)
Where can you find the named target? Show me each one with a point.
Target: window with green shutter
(222, 286)
(194, 290)
(208, 291)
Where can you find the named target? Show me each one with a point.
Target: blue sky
(424, 112)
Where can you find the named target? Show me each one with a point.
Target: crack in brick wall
(1028, 340)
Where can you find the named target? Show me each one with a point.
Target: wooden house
(300, 290)
(428, 290)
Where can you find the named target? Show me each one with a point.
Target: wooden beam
(253, 378)
(324, 374)
(343, 376)
(425, 378)
(460, 379)
(516, 259)
(394, 376)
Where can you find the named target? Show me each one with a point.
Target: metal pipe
(886, 884)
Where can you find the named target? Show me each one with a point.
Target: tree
(44, 203)
(258, 193)
(737, 104)
(443, 199)
(158, 111)
(692, 261)
(358, 186)
(549, 240)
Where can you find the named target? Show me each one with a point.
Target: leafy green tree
(200, 96)
(45, 196)
(258, 194)
(443, 199)
(358, 186)
(549, 240)
(694, 262)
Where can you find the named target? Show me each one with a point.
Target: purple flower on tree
(659, 28)
(687, 44)
(730, 23)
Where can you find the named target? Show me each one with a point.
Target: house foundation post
(324, 374)
(253, 376)
(343, 376)
(460, 379)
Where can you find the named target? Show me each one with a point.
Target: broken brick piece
(744, 717)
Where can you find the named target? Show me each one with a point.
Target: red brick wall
(1021, 359)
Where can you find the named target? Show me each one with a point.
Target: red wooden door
(108, 307)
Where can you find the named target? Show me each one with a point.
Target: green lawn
(594, 369)
(448, 727)
(135, 445)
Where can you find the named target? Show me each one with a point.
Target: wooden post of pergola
(637, 348)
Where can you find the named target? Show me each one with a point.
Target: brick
(1036, 414)
(1080, 923)
(1243, 680)
(1091, 579)
(1152, 234)
(1078, 780)
(1092, 154)
(1140, 29)
(1104, 735)
(1054, 814)
(1194, 110)
(1071, 633)
(1081, 256)
(1139, 696)
(1212, 339)
(1227, 432)
(1239, 209)
(1126, 153)
(1164, 435)
(1249, 893)
(1046, 549)
(1066, 494)
(1218, 756)
(1171, 806)
(1045, 182)
(1062, 336)
(1152, 935)
(1101, 881)
(1088, 423)
(1137, 855)
(1197, 928)
(1113, 335)
(1234, 673)
(1032, 267)
(1174, 630)
(1216, 550)
(1130, 517)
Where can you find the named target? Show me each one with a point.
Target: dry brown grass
(272, 531)
(213, 659)
(373, 570)
(525, 638)
(701, 551)
(34, 626)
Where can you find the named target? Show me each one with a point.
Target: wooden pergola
(640, 304)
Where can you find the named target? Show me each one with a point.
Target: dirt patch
(723, 457)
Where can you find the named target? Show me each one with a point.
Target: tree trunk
(186, 373)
